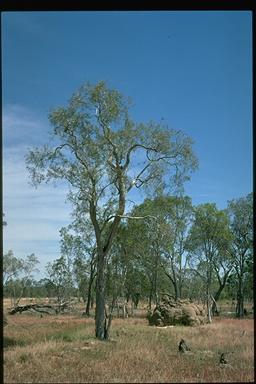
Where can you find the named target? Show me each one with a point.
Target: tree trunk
(155, 281)
(209, 311)
(88, 303)
(100, 316)
(176, 293)
(240, 300)
(174, 284)
(89, 296)
(102, 324)
(209, 306)
(150, 297)
(216, 298)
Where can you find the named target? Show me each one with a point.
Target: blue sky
(191, 69)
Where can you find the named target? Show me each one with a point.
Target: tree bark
(89, 295)
(217, 296)
(174, 284)
(240, 300)
(209, 305)
(102, 326)
(100, 318)
(150, 297)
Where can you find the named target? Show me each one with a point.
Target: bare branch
(61, 146)
(105, 187)
(131, 217)
(132, 148)
(137, 177)
(106, 132)
(74, 150)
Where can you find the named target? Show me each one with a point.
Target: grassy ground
(62, 349)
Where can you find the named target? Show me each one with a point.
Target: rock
(223, 359)
(183, 347)
(180, 312)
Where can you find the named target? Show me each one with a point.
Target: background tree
(208, 241)
(93, 148)
(177, 215)
(126, 271)
(241, 224)
(146, 249)
(78, 241)
(28, 267)
(223, 262)
(58, 275)
(13, 268)
(162, 241)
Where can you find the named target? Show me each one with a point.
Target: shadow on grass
(70, 336)
(8, 342)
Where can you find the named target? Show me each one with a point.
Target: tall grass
(62, 349)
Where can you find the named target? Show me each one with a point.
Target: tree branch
(131, 217)
(132, 148)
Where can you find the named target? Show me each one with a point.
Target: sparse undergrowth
(62, 349)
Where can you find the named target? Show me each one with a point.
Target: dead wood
(41, 308)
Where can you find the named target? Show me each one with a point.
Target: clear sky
(191, 69)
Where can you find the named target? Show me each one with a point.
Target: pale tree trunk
(208, 293)
(89, 295)
(209, 307)
(150, 296)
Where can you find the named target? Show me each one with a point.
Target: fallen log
(35, 307)
(41, 308)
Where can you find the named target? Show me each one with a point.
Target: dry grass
(62, 349)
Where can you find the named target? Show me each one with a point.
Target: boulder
(177, 312)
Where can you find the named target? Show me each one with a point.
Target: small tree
(78, 243)
(241, 224)
(29, 266)
(94, 150)
(14, 267)
(59, 277)
(209, 236)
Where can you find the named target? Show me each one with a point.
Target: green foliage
(59, 278)
(87, 150)
(241, 224)
(17, 274)
(12, 266)
(210, 235)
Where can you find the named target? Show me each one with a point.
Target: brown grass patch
(62, 349)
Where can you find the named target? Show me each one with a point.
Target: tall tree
(241, 223)
(93, 148)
